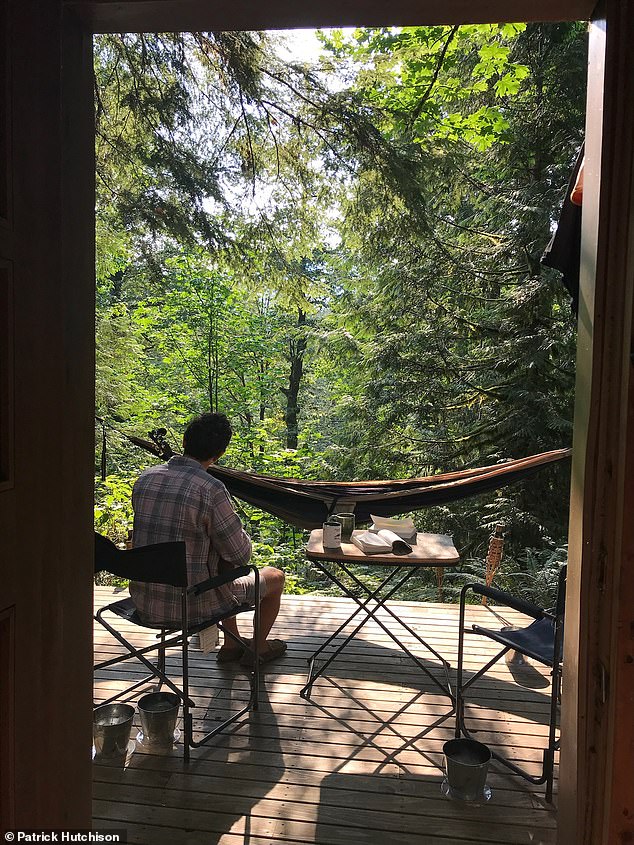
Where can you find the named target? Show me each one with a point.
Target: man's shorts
(244, 588)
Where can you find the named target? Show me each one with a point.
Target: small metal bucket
(111, 727)
(467, 764)
(159, 712)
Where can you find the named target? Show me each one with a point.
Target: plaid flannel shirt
(179, 500)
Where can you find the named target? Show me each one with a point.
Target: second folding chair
(540, 641)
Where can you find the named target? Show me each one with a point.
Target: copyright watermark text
(100, 836)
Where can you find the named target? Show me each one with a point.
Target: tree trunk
(297, 349)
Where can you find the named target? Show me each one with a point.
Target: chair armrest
(509, 601)
(219, 580)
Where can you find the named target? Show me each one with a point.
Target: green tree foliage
(160, 129)
(467, 343)
(344, 258)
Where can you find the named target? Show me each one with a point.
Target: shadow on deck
(360, 763)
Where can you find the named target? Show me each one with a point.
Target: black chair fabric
(126, 609)
(160, 563)
(537, 641)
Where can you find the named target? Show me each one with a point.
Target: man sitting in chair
(179, 500)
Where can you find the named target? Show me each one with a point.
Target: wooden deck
(358, 764)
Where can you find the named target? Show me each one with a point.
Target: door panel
(5, 170)
(6, 375)
(7, 720)
(46, 376)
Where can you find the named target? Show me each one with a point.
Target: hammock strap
(341, 505)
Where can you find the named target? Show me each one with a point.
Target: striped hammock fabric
(307, 504)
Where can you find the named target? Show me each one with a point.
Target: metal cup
(467, 764)
(111, 727)
(332, 534)
(346, 520)
(159, 712)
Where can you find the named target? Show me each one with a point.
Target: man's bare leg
(269, 608)
(230, 625)
(270, 604)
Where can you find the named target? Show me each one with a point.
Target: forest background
(344, 257)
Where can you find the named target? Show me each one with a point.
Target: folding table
(430, 550)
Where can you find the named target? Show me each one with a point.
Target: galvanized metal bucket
(467, 764)
(111, 727)
(159, 712)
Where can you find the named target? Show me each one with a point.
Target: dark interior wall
(46, 432)
(184, 15)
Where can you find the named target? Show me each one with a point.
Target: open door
(46, 397)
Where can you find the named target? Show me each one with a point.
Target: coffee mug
(332, 534)
(346, 521)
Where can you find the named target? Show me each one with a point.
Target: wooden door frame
(597, 789)
(596, 805)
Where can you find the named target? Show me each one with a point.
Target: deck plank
(360, 763)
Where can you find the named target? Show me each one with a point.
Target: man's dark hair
(207, 436)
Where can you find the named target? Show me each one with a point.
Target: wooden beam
(596, 789)
(76, 447)
(193, 15)
(617, 641)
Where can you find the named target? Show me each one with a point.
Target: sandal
(229, 654)
(274, 649)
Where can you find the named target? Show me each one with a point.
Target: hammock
(307, 504)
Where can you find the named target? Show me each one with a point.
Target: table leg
(370, 613)
(389, 610)
(372, 594)
(305, 692)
